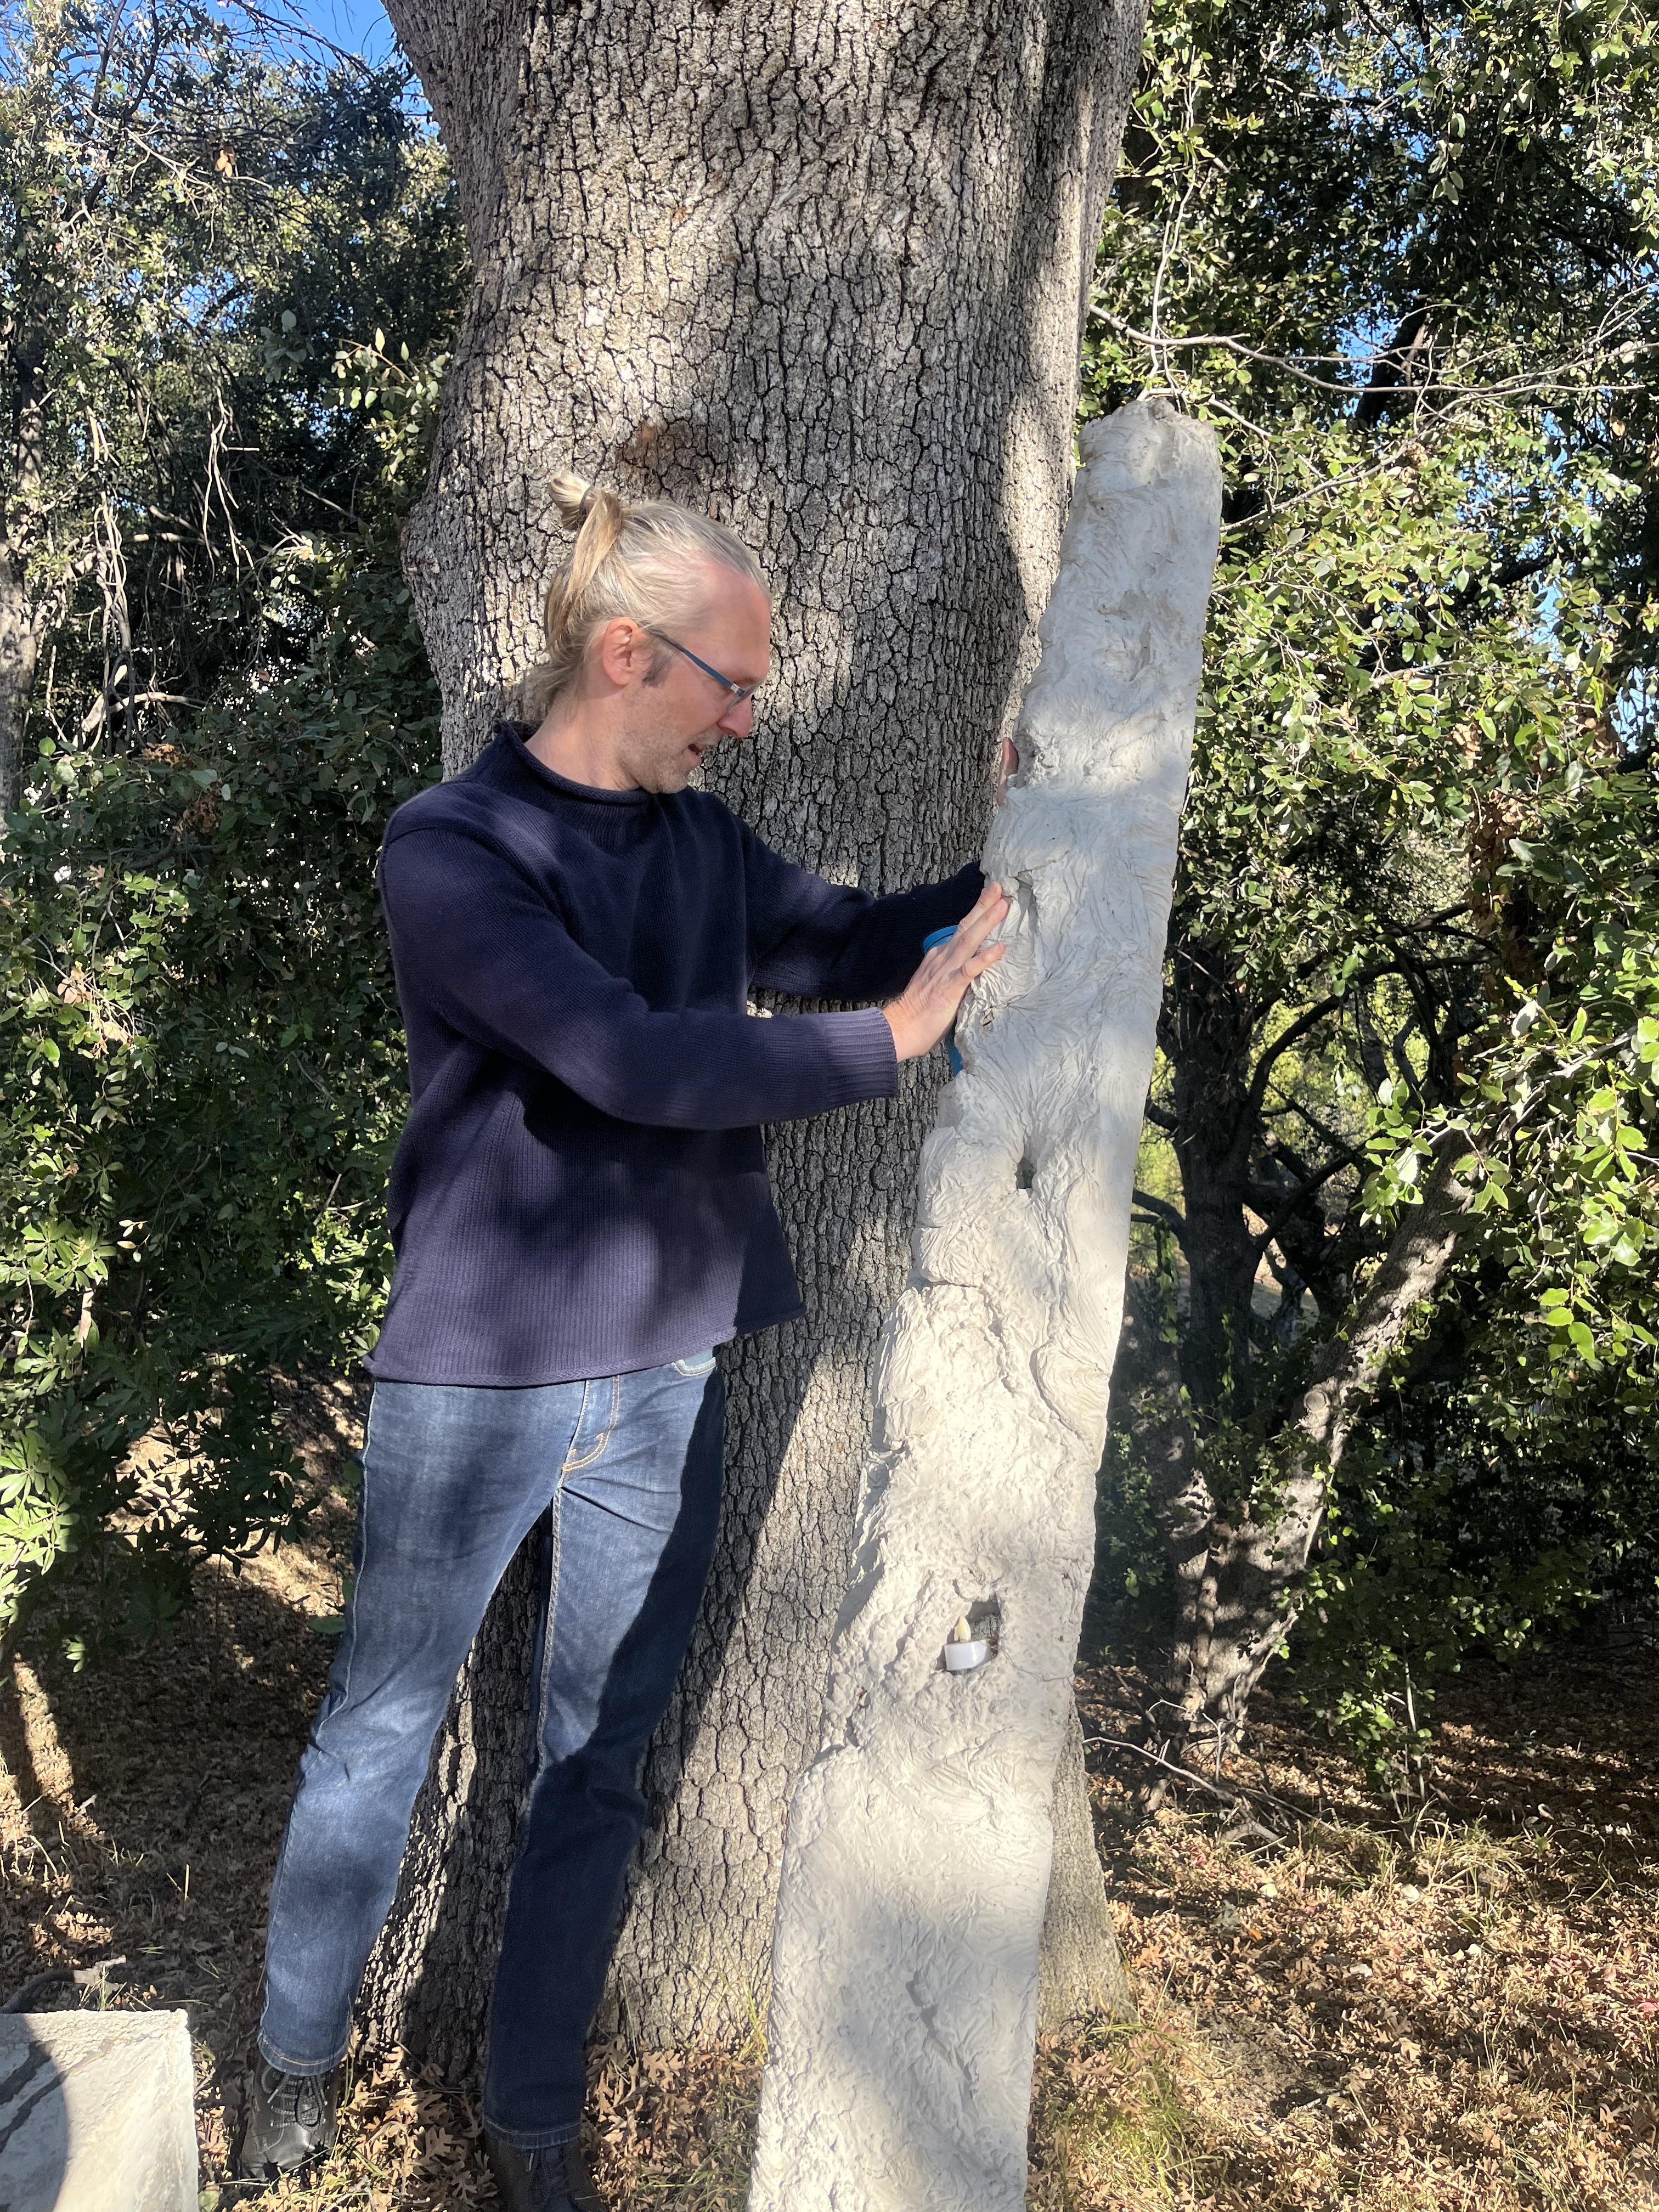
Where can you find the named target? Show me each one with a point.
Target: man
(580, 1213)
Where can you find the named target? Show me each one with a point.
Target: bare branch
(1230, 1793)
(1320, 1011)
(1420, 1254)
(1163, 1215)
(1293, 1204)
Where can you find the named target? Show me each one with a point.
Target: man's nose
(737, 721)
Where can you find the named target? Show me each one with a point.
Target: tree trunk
(19, 647)
(21, 622)
(1238, 1578)
(916, 1875)
(825, 273)
(1240, 1587)
(1080, 1973)
(1206, 1031)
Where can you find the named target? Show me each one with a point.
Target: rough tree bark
(822, 271)
(1239, 1581)
(920, 1838)
(22, 353)
(1205, 1027)
(1081, 1974)
(20, 649)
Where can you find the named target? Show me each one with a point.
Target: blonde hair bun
(648, 562)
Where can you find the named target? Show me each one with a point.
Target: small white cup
(963, 1658)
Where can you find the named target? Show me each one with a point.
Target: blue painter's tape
(943, 937)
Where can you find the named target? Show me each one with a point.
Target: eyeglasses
(736, 693)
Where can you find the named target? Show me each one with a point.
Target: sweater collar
(511, 738)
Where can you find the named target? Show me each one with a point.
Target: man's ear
(623, 651)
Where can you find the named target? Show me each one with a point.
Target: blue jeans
(627, 1471)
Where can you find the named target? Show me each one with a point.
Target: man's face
(669, 725)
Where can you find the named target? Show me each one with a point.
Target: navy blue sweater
(582, 1188)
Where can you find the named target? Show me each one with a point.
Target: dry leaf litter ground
(1457, 2008)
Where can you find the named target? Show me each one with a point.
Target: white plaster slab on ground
(903, 2013)
(97, 2112)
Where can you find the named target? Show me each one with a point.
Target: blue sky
(359, 26)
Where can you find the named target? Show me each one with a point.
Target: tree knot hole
(1025, 1172)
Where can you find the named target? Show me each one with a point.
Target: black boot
(541, 2181)
(291, 2121)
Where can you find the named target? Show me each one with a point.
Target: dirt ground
(1456, 2009)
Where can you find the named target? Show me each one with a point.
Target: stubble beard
(656, 759)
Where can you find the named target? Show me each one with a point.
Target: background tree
(199, 1060)
(1405, 262)
(194, 225)
(826, 278)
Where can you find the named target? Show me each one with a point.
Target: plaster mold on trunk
(917, 1859)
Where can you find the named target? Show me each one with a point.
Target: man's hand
(926, 1006)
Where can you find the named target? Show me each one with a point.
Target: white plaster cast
(97, 2112)
(916, 1873)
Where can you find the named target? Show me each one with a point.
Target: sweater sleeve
(819, 940)
(479, 945)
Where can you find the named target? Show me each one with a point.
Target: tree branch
(1293, 1204)
(1230, 1793)
(1419, 1255)
(1326, 1135)
(1165, 1215)
(1320, 1011)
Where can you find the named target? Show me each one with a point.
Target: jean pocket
(700, 1366)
